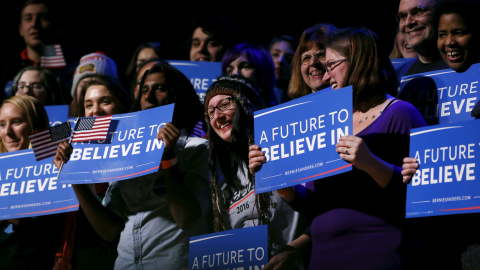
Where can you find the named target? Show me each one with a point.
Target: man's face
(418, 30)
(34, 24)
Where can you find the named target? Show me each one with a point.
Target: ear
(136, 91)
(20, 30)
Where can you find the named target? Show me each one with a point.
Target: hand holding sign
(256, 158)
(169, 134)
(409, 167)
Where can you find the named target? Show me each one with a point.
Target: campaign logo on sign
(299, 138)
(447, 181)
(245, 248)
(30, 188)
(442, 96)
(200, 74)
(130, 150)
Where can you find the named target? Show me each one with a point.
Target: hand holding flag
(90, 128)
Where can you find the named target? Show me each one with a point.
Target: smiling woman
(230, 103)
(26, 243)
(458, 35)
(19, 117)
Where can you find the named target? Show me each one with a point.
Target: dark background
(117, 27)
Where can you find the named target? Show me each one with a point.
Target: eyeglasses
(23, 88)
(222, 105)
(330, 65)
(416, 12)
(317, 57)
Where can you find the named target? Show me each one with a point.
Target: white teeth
(224, 126)
(452, 54)
(315, 73)
(334, 85)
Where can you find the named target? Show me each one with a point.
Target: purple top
(356, 224)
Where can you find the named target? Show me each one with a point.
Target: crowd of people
(353, 220)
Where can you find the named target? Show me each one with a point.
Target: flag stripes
(91, 128)
(52, 57)
(45, 142)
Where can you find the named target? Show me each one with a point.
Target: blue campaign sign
(447, 181)
(57, 114)
(299, 138)
(245, 248)
(29, 188)
(201, 74)
(130, 150)
(442, 96)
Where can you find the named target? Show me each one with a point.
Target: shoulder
(190, 148)
(196, 142)
(404, 111)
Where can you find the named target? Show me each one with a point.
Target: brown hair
(370, 71)
(317, 35)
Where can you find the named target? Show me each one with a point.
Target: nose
(96, 110)
(410, 19)
(449, 41)
(203, 48)
(217, 114)
(326, 78)
(8, 129)
(234, 72)
(37, 21)
(315, 62)
(150, 96)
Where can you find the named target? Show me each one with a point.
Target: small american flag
(52, 57)
(91, 128)
(45, 142)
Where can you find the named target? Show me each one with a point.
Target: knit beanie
(94, 63)
(243, 89)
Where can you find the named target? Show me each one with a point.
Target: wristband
(168, 163)
(285, 193)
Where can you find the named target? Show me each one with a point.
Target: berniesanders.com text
(304, 168)
(26, 205)
(451, 199)
(113, 170)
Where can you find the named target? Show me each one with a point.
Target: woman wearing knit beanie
(230, 103)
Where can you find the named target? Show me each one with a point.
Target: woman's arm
(183, 202)
(105, 222)
(355, 151)
(288, 256)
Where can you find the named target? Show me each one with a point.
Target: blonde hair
(34, 110)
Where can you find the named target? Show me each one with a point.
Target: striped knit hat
(243, 89)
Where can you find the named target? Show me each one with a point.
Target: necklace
(366, 118)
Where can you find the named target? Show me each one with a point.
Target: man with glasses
(416, 25)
